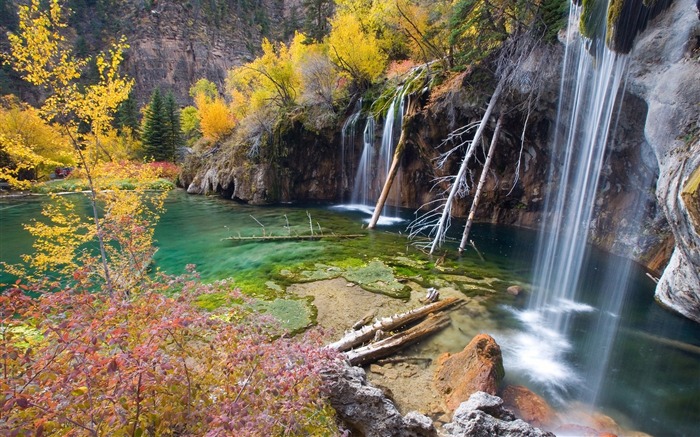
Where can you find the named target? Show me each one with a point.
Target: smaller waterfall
(363, 176)
(347, 138)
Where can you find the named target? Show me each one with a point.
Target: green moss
(379, 278)
(212, 301)
(614, 14)
(293, 314)
(592, 18)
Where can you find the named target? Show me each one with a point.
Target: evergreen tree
(127, 116)
(174, 137)
(317, 13)
(155, 129)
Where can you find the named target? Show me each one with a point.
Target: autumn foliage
(153, 363)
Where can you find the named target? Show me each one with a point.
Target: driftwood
(391, 344)
(388, 324)
(315, 237)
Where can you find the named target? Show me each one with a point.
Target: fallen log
(388, 324)
(389, 345)
(262, 238)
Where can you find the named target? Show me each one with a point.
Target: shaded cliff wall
(173, 42)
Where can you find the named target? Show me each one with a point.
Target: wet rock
(367, 410)
(576, 430)
(483, 415)
(528, 406)
(664, 73)
(479, 367)
(515, 290)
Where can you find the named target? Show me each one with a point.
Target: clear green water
(651, 384)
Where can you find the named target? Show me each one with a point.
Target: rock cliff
(664, 72)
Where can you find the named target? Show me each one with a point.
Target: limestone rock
(483, 415)
(368, 411)
(528, 406)
(664, 72)
(479, 367)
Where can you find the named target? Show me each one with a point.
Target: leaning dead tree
(480, 187)
(436, 221)
(445, 209)
(411, 109)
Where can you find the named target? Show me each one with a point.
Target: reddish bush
(153, 363)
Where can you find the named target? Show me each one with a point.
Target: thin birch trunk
(480, 186)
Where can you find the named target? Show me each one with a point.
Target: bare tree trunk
(480, 186)
(99, 230)
(389, 345)
(398, 152)
(389, 324)
(447, 209)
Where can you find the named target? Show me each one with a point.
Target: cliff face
(174, 43)
(664, 72)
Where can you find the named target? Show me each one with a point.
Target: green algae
(378, 277)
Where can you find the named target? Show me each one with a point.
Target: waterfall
(374, 164)
(347, 144)
(592, 76)
(363, 176)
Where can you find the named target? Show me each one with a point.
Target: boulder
(514, 290)
(528, 406)
(479, 367)
(367, 411)
(483, 415)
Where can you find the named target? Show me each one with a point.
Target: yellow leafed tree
(125, 227)
(355, 50)
(29, 147)
(270, 80)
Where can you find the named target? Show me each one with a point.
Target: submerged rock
(483, 415)
(515, 290)
(479, 367)
(528, 406)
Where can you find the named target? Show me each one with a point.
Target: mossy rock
(377, 277)
(294, 315)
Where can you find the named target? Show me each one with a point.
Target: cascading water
(363, 176)
(591, 79)
(347, 138)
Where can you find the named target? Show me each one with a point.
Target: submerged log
(389, 345)
(263, 238)
(387, 324)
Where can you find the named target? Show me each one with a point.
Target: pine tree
(155, 129)
(174, 137)
(127, 116)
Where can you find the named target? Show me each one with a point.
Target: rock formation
(368, 411)
(483, 415)
(664, 72)
(479, 367)
(528, 406)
